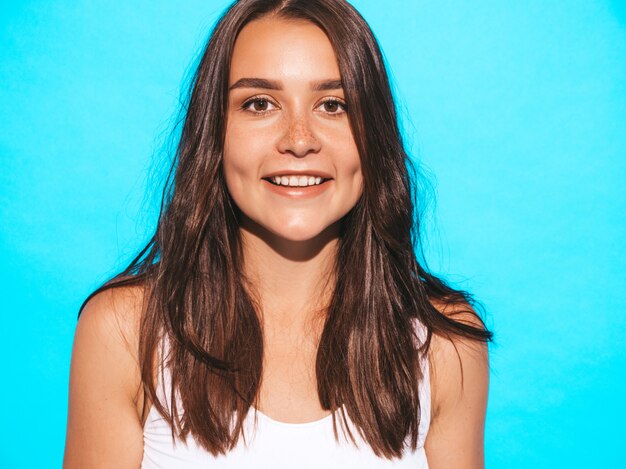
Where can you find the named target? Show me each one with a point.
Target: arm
(459, 385)
(103, 427)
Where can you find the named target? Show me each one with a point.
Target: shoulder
(103, 427)
(117, 305)
(459, 388)
(457, 361)
(110, 320)
(107, 333)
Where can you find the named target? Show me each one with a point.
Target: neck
(291, 280)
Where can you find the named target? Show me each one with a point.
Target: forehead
(283, 49)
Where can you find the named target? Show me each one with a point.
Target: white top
(277, 445)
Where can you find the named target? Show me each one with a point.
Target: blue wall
(517, 108)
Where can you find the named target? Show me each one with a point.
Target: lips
(304, 172)
(298, 192)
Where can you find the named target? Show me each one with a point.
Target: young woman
(279, 316)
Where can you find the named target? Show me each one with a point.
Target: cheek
(343, 140)
(240, 157)
(349, 164)
(357, 176)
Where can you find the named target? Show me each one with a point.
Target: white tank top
(277, 445)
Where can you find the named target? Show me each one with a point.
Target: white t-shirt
(277, 445)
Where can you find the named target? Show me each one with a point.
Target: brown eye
(260, 105)
(333, 107)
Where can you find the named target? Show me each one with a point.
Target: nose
(298, 138)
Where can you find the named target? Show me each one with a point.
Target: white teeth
(297, 181)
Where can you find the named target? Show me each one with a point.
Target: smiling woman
(286, 125)
(279, 316)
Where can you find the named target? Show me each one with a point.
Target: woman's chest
(288, 390)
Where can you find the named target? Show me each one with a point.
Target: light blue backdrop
(518, 108)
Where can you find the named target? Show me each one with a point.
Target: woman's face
(290, 160)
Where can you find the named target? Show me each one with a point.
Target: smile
(311, 187)
(296, 181)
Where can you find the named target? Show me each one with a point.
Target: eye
(258, 105)
(333, 106)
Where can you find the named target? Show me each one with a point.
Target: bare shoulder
(103, 428)
(108, 329)
(459, 389)
(114, 317)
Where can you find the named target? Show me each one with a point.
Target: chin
(290, 230)
(299, 233)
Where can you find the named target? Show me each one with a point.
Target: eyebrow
(321, 85)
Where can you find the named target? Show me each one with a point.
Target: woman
(279, 316)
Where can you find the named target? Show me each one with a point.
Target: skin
(289, 242)
(288, 249)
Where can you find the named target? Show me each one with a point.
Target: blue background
(517, 108)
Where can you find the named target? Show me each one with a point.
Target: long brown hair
(368, 355)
